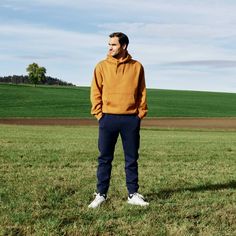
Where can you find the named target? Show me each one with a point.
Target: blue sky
(184, 45)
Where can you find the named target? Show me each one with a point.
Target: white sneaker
(137, 199)
(99, 199)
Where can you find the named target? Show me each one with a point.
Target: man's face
(115, 49)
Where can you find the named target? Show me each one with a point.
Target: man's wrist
(98, 116)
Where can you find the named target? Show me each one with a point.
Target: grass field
(48, 178)
(73, 102)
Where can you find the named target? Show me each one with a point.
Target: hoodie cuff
(98, 116)
(141, 115)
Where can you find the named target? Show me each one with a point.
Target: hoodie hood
(121, 63)
(112, 59)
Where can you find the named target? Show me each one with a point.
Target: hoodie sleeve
(142, 95)
(96, 93)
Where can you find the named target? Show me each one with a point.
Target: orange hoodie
(118, 87)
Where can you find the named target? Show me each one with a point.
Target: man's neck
(121, 56)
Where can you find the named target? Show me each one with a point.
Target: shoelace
(99, 195)
(137, 194)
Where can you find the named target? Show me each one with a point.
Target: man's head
(118, 44)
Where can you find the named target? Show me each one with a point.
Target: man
(118, 97)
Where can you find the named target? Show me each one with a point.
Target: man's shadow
(167, 193)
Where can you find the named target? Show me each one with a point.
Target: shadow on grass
(167, 193)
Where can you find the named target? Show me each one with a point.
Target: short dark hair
(123, 38)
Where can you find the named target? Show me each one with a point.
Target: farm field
(24, 101)
(48, 178)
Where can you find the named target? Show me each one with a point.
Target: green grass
(175, 103)
(48, 176)
(46, 101)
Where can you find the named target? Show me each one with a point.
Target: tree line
(24, 79)
(36, 75)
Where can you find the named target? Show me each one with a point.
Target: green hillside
(46, 101)
(176, 103)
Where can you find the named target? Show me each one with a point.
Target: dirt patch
(198, 123)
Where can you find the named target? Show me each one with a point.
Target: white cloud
(216, 8)
(45, 41)
(159, 43)
(188, 78)
(177, 41)
(218, 64)
(174, 31)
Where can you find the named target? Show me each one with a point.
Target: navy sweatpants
(110, 126)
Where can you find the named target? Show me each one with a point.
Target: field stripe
(208, 123)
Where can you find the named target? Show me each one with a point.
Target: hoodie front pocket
(124, 101)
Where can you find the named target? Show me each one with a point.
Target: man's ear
(124, 46)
